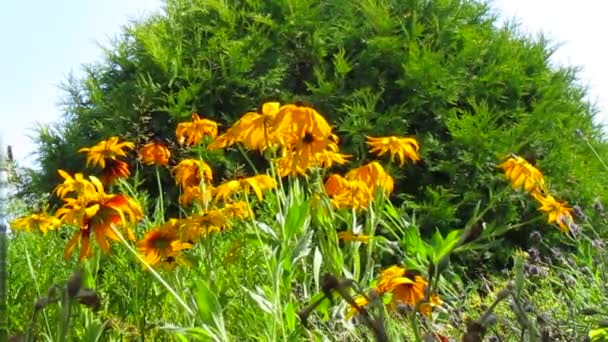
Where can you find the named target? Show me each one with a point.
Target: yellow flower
(346, 193)
(257, 183)
(36, 222)
(191, 133)
(558, 212)
(188, 172)
(154, 153)
(238, 210)
(522, 174)
(408, 290)
(310, 151)
(426, 308)
(405, 288)
(77, 184)
(374, 176)
(356, 194)
(196, 194)
(335, 184)
(350, 237)
(162, 243)
(106, 150)
(361, 302)
(403, 148)
(386, 276)
(96, 212)
(197, 226)
(294, 123)
(252, 130)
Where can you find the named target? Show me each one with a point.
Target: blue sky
(43, 41)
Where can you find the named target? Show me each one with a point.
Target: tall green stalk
(3, 246)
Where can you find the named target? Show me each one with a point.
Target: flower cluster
(295, 137)
(524, 175)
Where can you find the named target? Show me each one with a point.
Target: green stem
(160, 194)
(249, 161)
(597, 155)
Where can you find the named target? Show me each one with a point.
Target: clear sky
(44, 40)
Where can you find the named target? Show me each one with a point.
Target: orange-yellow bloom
(238, 210)
(402, 148)
(558, 212)
(361, 302)
(293, 123)
(374, 175)
(405, 288)
(351, 237)
(154, 153)
(95, 212)
(258, 184)
(188, 172)
(523, 175)
(163, 243)
(191, 133)
(41, 221)
(74, 185)
(345, 193)
(106, 150)
(196, 194)
(252, 130)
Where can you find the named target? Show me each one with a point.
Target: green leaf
(296, 217)
(259, 298)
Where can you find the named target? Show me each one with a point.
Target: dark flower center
(308, 138)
